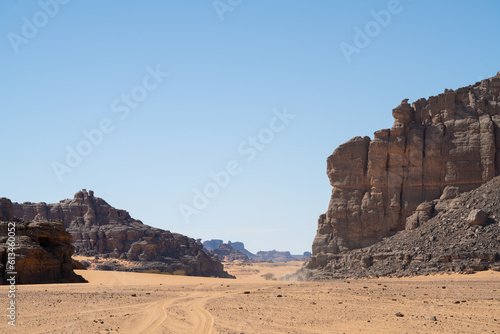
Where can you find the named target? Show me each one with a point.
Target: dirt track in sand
(119, 302)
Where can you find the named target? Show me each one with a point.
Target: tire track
(201, 321)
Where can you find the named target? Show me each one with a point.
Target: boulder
(42, 255)
(477, 217)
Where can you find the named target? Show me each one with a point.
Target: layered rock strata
(450, 140)
(463, 236)
(98, 229)
(225, 252)
(42, 250)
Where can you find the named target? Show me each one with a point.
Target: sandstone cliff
(463, 236)
(98, 229)
(42, 253)
(449, 140)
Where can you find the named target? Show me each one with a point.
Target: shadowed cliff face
(42, 253)
(452, 139)
(99, 229)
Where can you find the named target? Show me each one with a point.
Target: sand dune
(120, 302)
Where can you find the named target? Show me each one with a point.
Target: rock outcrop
(212, 244)
(235, 250)
(240, 246)
(98, 229)
(440, 146)
(451, 241)
(274, 256)
(226, 252)
(42, 250)
(6, 210)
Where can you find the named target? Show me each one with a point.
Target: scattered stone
(400, 315)
(433, 318)
(477, 217)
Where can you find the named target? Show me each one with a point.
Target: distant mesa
(226, 253)
(98, 229)
(212, 244)
(401, 182)
(235, 251)
(275, 256)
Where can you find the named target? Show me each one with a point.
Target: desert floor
(120, 302)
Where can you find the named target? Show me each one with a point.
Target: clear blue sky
(68, 69)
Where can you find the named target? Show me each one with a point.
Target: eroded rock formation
(98, 229)
(463, 236)
(42, 253)
(225, 252)
(450, 140)
(232, 251)
(275, 256)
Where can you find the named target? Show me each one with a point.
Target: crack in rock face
(437, 148)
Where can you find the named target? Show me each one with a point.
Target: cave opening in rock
(44, 241)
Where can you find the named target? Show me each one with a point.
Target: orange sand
(120, 302)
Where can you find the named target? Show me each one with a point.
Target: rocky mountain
(440, 146)
(42, 253)
(274, 256)
(239, 246)
(212, 244)
(226, 252)
(98, 229)
(463, 236)
(237, 249)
